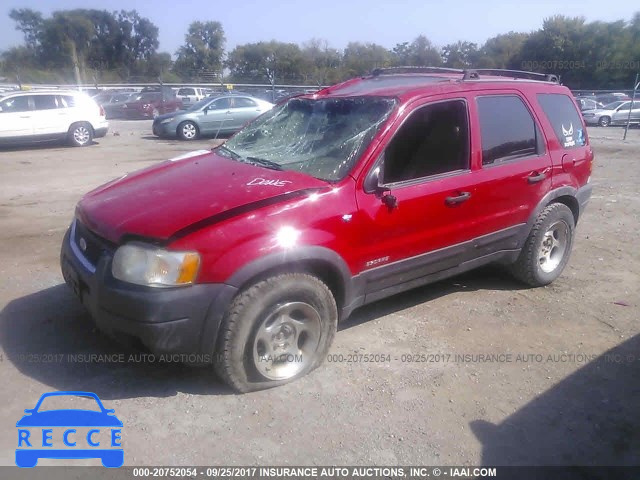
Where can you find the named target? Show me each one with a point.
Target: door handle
(536, 177)
(25, 116)
(454, 200)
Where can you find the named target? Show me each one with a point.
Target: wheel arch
(321, 262)
(85, 122)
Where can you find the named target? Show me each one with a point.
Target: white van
(39, 116)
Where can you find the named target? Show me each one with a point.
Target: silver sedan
(615, 113)
(211, 116)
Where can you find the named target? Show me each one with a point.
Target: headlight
(166, 120)
(155, 267)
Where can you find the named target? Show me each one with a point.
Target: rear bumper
(100, 132)
(181, 320)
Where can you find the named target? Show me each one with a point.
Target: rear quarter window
(564, 118)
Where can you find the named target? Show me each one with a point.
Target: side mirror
(374, 184)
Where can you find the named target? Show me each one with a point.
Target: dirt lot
(548, 396)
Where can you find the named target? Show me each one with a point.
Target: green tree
(460, 55)
(420, 53)
(30, 23)
(275, 62)
(361, 58)
(321, 62)
(202, 52)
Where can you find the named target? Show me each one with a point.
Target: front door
(16, 117)
(427, 224)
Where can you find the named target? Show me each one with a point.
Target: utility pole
(635, 89)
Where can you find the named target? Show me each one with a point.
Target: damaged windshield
(322, 138)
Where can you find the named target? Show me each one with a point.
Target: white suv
(190, 95)
(27, 117)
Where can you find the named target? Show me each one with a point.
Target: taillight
(102, 113)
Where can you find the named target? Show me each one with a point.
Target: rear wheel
(80, 134)
(604, 121)
(547, 248)
(188, 131)
(276, 331)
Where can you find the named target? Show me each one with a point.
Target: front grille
(90, 245)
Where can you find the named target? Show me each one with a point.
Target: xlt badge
(377, 261)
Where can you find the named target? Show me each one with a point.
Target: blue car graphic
(28, 457)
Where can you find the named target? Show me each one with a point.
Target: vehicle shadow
(591, 418)
(60, 144)
(49, 337)
(485, 278)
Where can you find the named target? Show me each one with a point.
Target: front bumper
(164, 129)
(182, 320)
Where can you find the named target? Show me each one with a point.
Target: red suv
(247, 256)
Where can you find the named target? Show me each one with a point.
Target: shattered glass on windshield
(322, 138)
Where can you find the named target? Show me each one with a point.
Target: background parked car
(191, 95)
(607, 98)
(588, 103)
(615, 113)
(211, 116)
(28, 117)
(112, 102)
(150, 104)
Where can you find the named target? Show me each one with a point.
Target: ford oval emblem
(83, 244)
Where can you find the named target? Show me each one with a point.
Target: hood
(159, 201)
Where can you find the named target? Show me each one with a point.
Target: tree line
(88, 45)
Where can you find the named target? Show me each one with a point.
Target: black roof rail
(470, 73)
(476, 72)
(393, 70)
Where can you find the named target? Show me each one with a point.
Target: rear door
(244, 110)
(218, 116)
(49, 118)
(513, 167)
(16, 117)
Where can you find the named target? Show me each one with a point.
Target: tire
(547, 249)
(604, 121)
(80, 134)
(276, 331)
(188, 131)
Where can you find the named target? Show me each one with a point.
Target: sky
(337, 21)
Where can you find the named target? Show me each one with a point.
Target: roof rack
(470, 73)
(474, 73)
(393, 70)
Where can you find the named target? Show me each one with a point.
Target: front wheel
(188, 131)
(547, 248)
(80, 134)
(276, 331)
(604, 121)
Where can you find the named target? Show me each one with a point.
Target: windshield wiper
(265, 163)
(231, 153)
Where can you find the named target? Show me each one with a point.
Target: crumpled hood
(159, 201)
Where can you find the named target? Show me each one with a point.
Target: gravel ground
(562, 386)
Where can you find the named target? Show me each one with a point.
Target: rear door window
(241, 102)
(45, 102)
(564, 118)
(507, 129)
